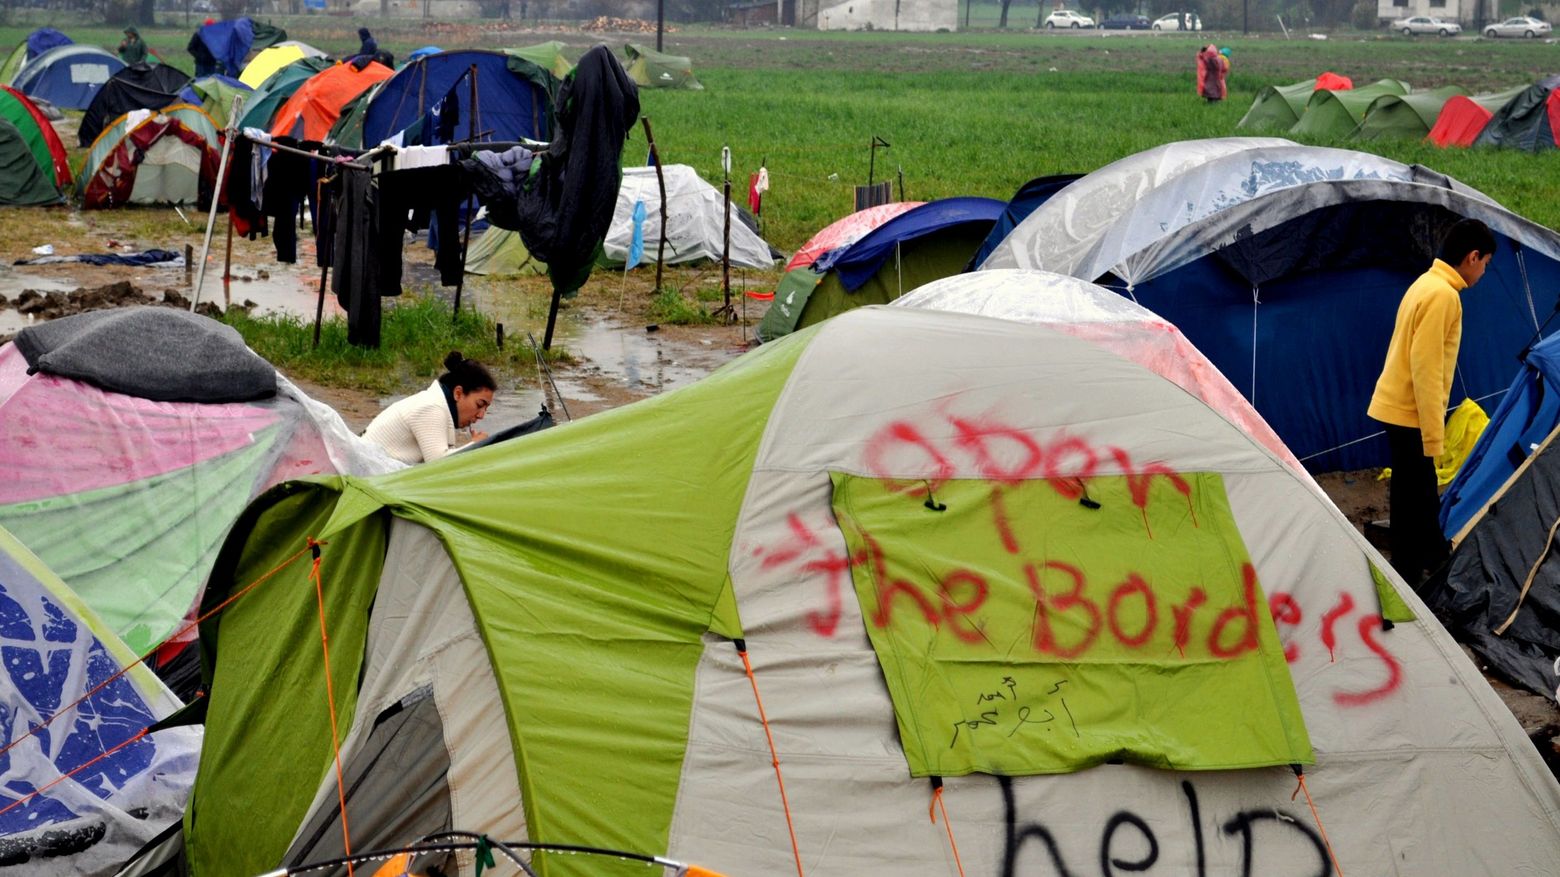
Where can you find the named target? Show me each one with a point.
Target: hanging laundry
(565, 206)
(758, 184)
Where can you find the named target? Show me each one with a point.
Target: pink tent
(846, 231)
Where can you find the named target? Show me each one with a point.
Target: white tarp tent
(693, 225)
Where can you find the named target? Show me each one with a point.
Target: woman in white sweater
(422, 426)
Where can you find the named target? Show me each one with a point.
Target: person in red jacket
(1415, 385)
(1210, 74)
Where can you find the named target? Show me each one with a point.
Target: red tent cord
(142, 659)
(49, 785)
(937, 804)
(1317, 816)
(775, 757)
(330, 699)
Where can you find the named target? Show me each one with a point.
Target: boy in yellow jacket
(1415, 386)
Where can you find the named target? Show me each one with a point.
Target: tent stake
(216, 198)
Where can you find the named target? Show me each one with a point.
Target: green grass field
(971, 113)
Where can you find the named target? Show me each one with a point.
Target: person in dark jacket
(132, 49)
(370, 46)
(205, 62)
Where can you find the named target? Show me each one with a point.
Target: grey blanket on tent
(162, 354)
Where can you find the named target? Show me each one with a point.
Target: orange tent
(316, 105)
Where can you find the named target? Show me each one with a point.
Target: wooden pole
(471, 207)
(319, 307)
(216, 198)
(660, 179)
(227, 266)
(726, 309)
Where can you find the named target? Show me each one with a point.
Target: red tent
(1331, 81)
(1460, 122)
(848, 230)
(1462, 119)
(58, 167)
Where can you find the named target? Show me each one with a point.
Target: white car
(1173, 21)
(1521, 26)
(1067, 18)
(1425, 24)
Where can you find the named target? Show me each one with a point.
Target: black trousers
(1418, 547)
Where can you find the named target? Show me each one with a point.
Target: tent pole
(660, 179)
(216, 198)
(227, 267)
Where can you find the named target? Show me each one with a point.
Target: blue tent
(423, 52)
(1526, 416)
(857, 263)
(229, 42)
(1285, 265)
(68, 76)
(1028, 197)
(43, 39)
(510, 104)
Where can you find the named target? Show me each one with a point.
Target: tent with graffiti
(68, 76)
(137, 441)
(1530, 121)
(1405, 116)
(43, 149)
(167, 156)
(85, 786)
(1254, 248)
(1056, 601)
(926, 243)
(137, 87)
(1463, 117)
(1334, 114)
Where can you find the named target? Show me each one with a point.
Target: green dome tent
(548, 56)
(984, 563)
(1406, 116)
(1335, 114)
(651, 69)
(23, 182)
(501, 252)
(1278, 106)
(261, 105)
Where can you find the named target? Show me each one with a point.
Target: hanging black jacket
(564, 208)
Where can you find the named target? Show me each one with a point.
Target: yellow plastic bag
(1462, 432)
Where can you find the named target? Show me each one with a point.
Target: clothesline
(365, 159)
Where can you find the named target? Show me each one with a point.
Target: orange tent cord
(774, 755)
(330, 699)
(51, 784)
(937, 803)
(142, 659)
(1317, 816)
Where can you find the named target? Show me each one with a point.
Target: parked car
(1521, 26)
(1424, 24)
(1067, 18)
(1126, 22)
(1178, 21)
